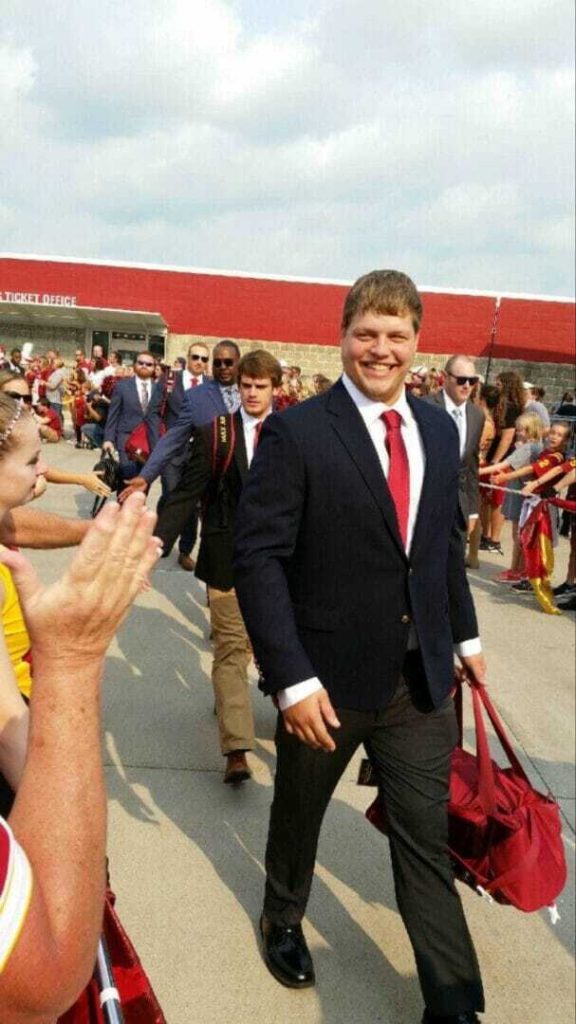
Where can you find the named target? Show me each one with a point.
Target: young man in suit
(134, 399)
(349, 569)
(460, 376)
(217, 481)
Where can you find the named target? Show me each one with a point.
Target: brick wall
(555, 378)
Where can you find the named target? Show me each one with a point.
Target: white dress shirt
(371, 412)
(249, 424)
(187, 379)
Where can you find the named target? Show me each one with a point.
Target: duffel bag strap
(500, 731)
(486, 788)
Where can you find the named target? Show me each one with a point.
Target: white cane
(109, 995)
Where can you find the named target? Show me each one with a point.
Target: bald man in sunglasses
(460, 377)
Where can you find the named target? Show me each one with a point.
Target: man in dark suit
(191, 376)
(460, 376)
(134, 399)
(199, 406)
(216, 470)
(349, 570)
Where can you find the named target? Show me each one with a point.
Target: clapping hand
(77, 616)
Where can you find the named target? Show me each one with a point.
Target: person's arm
(497, 467)
(59, 815)
(26, 527)
(110, 429)
(13, 716)
(267, 524)
(463, 621)
(531, 486)
(514, 474)
(91, 481)
(566, 481)
(504, 442)
(172, 442)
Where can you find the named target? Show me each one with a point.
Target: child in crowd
(565, 594)
(554, 455)
(529, 429)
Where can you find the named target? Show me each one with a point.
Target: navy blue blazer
(324, 583)
(199, 406)
(175, 397)
(125, 413)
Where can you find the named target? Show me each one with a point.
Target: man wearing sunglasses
(134, 399)
(460, 376)
(199, 406)
(192, 375)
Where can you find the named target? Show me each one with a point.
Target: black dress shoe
(286, 954)
(469, 1017)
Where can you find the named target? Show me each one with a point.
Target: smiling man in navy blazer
(350, 574)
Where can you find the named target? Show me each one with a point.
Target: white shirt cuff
(294, 694)
(468, 647)
(474, 515)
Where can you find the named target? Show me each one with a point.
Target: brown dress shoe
(185, 562)
(237, 769)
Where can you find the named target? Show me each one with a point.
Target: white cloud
(221, 133)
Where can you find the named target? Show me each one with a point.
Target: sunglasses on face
(217, 363)
(203, 359)
(143, 362)
(27, 399)
(461, 381)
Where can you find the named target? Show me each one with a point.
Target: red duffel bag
(504, 836)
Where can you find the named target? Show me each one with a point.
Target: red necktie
(193, 382)
(399, 469)
(257, 432)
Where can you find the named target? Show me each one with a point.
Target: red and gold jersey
(543, 464)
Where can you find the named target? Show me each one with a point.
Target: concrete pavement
(186, 851)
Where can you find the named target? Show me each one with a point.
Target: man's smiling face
(377, 351)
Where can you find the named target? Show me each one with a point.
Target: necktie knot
(391, 419)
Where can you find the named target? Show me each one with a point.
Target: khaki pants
(232, 655)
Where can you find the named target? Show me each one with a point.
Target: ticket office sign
(37, 298)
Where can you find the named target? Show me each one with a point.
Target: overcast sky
(288, 137)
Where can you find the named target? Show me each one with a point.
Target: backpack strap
(223, 444)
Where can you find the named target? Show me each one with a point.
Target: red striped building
(128, 306)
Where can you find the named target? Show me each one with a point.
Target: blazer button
(406, 619)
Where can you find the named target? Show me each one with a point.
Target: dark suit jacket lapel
(433, 459)
(240, 456)
(472, 435)
(351, 430)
